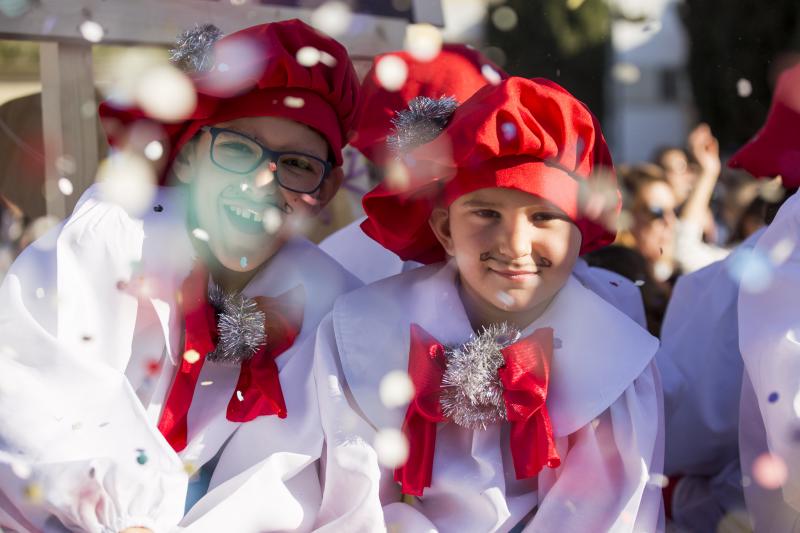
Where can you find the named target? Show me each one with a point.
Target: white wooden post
(68, 120)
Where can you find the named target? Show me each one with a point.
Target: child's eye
(544, 217)
(487, 213)
(234, 148)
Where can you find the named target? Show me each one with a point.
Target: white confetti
(396, 389)
(166, 94)
(391, 72)
(200, 234)
(127, 179)
(206, 383)
(504, 18)
(769, 471)
(752, 269)
(92, 31)
(781, 252)
(191, 356)
(332, 18)
(659, 480)
(294, 102)
(21, 469)
(423, 41)
(65, 164)
(40, 293)
(491, 75)
(744, 88)
(154, 150)
(272, 220)
(308, 56)
(392, 447)
(65, 186)
(239, 396)
(626, 73)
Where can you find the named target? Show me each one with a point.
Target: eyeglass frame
(267, 154)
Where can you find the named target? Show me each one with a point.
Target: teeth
(257, 217)
(247, 214)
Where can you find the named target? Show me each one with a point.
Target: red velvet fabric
(775, 149)
(529, 135)
(330, 93)
(456, 71)
(525, 378)
(259, 383)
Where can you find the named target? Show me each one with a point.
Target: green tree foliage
(564, 40)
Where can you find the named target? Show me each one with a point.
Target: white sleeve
(75, 442)
(350, 472)
(606, 472)
(769, 340)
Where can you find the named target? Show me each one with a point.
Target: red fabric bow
(524, 377)
(258, 391)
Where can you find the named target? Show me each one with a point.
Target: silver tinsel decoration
(194, 48)
(240, 327)
(472, 394)
(421, 122)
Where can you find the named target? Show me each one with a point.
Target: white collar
(600, 350)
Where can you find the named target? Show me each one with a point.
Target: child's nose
(517, 239)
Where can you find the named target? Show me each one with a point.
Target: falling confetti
(396, 389)
(769, 471)
(308, 56)
(294, 102)
(391, 72)
(744, 88)
(626, 73)
(128, 180)
(21, 469)
(66, 164)
(34, 493)
(509, 131)
(40, 293)
(65, 186)
(491, 75)
(392, 447)
(239, 396)
(92, 31)
(504, 18)
(152, 367)
(639, 282)
(773, 397)
(659, 480)
(243, 262)
(272, 220)
(166, 94)
(423, 41)
(200, 234)
(191, 356)
(154, 150)
(752, 269)
(141, 457)
(206, 383)
(505, 298)
(158, 208)
(332, 18)
(781, 252)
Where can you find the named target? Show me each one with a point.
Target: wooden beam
(69, 122)
(157, 22)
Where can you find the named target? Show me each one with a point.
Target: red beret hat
(323, 96)
(775, 149)
(530, 135)
(457, 71)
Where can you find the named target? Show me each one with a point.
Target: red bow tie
(258, 390)
(524, 378)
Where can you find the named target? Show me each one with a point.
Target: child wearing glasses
(529, 401)
(144, 352)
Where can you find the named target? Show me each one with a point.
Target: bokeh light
(391, 72)
(332, 18)
(392, 447)
(769, 471)
(128, 180)
(423, 41)
(396, 389)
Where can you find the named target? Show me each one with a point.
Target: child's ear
(440, 224)
(329, 186)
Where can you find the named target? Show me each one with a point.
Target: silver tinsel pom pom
(240, 327)
(472, 394)
(193, 48)
(421, 122)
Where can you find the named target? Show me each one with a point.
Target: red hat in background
(259, 75)
(775, 149)
(530, 135)
(457, 71)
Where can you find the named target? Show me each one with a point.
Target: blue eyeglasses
(240, 154)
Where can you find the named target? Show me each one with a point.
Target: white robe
(701, 370)
(369, 261)
(604, 401)
(78, 410)
(769, 340)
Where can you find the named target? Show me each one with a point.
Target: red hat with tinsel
(456, 71)
(529, 135)
(775, 149)
(269, 81)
